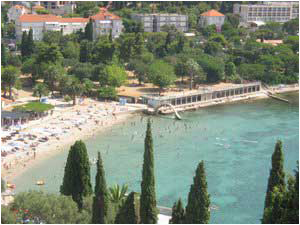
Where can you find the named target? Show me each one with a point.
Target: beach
(79, 122)
(57, 132)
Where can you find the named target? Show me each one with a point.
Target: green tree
(197, 209)
(230, 69)
(138, 46)
(251, 71)
(161, 74)
(178, 215)
(148, 210)
(72, 87)
(103, 51)
(48, 208)
(107, 93)
(89, 30)
(3, 55)
(30, 43)
(86, 48)
(291, 26)
(213, 48)
(277, 174)
(195, 71)
(24, 45)
(116, 75)
(129, 212)
(77, 179)
(40, 90)
(52, 37)
(293, 42)
(48, 53)
(100, 202)
(71, 50)
(9, 78)
(51, 75)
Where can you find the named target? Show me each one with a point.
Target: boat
(40, 182)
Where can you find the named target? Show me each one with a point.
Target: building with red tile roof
(212, 17)
(15, 12)
(103, 23)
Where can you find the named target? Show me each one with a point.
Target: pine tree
(177, 213)
(129, 212)
(276, 177)
(3, 55)
(100, 201)
(197, 209)
(24, 46)
(77, 180)
(148, 208)
(89, 31)
(30, 43)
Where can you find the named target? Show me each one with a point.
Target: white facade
(15, 12)
(53, 23)
(211, 20)
(268, 12)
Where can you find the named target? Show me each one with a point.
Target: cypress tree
(274, 214)
(110, 38)
(276, 177)
(177, 213)
(3, 55)
(24, 49)
(77, 180)
(148, 208)
(89, 30)
(30, 43)
(100, 201)
(129, 212)
(197, 209)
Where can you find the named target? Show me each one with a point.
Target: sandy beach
(80, 122)
(64, 127)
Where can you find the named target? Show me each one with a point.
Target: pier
(200, 98)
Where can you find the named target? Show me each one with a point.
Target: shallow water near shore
(235, 141)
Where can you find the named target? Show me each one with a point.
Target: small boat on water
(40, 182)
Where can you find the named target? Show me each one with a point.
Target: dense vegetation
(97, 67)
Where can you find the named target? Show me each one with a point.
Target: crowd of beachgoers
(21, 144)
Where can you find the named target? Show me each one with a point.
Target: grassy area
(33, 107)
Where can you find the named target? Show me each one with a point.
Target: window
(194, 98)
(199, 98)
(183, 100)
(173, 102)
(178, 101)
(189, 99)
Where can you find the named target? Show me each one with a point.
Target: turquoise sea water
(235, 141)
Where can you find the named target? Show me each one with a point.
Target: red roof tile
(51, 18)
(212, 13)
(104, 15)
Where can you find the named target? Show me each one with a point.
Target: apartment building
(42, 23)
(58, 7)
(15, 12)
(104, 22)
(212, 17)
(155, 22)
(267, 12)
